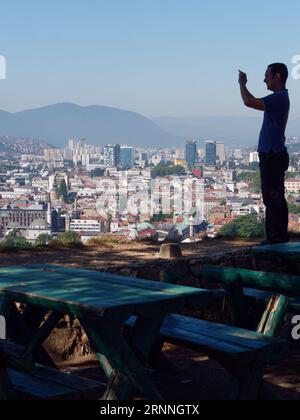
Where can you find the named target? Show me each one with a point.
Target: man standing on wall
(273, 155)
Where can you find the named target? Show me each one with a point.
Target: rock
(170, 251)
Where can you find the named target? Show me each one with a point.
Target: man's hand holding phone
(242, 78)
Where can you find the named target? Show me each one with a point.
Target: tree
(244, 227)
(257, 183)
(254, 166)
(223, 202)
(14, 242)
(43, 239)
(251, 178)
(63, 190)
(291, 175)
(67, 239)
(294, 208)
(164, 169)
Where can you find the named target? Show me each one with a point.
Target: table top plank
(59, 286)
(89, 292)
(35, 271)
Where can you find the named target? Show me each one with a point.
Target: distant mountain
(100, 125)
(243, 131)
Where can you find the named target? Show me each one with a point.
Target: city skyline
(156, 58)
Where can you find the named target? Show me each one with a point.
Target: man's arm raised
(249, 100)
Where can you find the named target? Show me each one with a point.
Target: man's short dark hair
(281, 69)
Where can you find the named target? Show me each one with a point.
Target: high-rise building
(201, 153)
(68, 153)
(112, 155)
(82, 143)
(85, 160)
(221, 156)
(127, 157)
(72, 144)
(211, 153)
(144, 156)
(191, 153)
(254, 157)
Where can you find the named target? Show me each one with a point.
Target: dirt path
(119, 254)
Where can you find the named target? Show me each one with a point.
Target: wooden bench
(289, 252)
(244, 353)
(259, 298)
(20, 380)
(241, 286)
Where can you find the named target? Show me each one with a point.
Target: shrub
(245, 227)
(43, 240)
(14, 242)
(68, 239)
(106, 240)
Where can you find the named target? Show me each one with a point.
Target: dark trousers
(272, 169)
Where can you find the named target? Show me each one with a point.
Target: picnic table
(102, 302)
(289, 251)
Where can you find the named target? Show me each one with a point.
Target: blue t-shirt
(272, 135)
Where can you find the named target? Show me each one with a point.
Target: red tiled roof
(293, 180)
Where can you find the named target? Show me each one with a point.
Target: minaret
(49, 212)
(192, 231)
(68, 223)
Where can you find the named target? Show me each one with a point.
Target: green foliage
(14, 242)
(246, 176)
(66, 239)
(223, 202)
(164, 170)
(254, 166)
(63, 190)
(106, 240)
(251, 178)
(159, 217)
(43, 240)
(294, 208)
(244, 227)
(292, 175)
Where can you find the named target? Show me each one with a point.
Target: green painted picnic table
(102, 302)
(289, 251)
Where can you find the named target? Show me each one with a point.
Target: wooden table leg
(42, 334)
(6, 389)
(128, 371)
(21, 333)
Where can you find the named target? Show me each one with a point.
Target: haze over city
(169, 58)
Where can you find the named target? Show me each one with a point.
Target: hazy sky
(156, 57)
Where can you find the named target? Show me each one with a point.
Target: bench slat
(88, 388)
(216, 339)
(44, 382)
(31, 387)
(238, 336)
